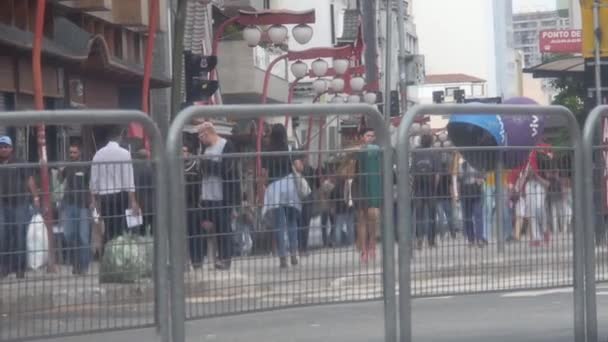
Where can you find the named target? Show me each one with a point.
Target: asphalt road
(523, 316)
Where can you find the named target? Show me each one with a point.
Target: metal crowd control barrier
(55, 319)
(178, 200)
(406, 219)
(594, 154)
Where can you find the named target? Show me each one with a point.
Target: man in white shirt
(112, 185)
(220, 190)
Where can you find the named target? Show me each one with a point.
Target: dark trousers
(148, 222)
(304, 225)
(14, 221)
(218, 213)
(148, 214)
(113, 208)
(197, 245)
(424, 218)
(473, 218)
(326, 225)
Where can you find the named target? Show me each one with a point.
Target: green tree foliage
(570, 93)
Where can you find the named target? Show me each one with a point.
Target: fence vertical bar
(589, 214)
(176, 178)
(405, 215)
(580, 271)
(177, 238)
(404, 225)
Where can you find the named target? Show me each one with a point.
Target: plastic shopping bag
(243, 242)
(127, 259)
(37, 243)
(315, 233)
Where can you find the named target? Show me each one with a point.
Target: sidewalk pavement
(480, 318)
(256, 283)
(451, 267)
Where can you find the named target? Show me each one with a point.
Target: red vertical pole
(41, 133)
(292, 87)
(260, 133)
(320, 147)
(145, 89)
(264, 99)
(311, 122)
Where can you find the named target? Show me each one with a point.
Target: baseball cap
(6, 140)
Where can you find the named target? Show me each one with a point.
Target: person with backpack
(425, 176)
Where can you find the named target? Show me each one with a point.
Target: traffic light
(295, 121)
(394, 103)
(438, 96)
(459, 95)
(198, 85)
(379, 101)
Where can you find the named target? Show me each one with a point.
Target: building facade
(480, 46)
(527, 28)
(410, 43)
(240, 68)
(92, 58)
(472, 86)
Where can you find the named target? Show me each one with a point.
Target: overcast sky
(533, 5)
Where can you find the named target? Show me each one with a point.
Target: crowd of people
(83, 192)
(450, 197)
(347, 198)
(450, 194)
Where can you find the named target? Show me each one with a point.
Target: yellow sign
(589, 28)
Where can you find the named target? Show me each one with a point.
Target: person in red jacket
(528, 187)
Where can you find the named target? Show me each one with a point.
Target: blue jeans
(286, 223)
(344, 230)
(77, 233)
(444, 208)
(14, 221)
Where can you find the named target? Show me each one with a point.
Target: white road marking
(435, 298)
(536, 293)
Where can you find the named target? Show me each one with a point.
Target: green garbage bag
(127, 259)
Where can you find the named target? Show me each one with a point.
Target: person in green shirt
(369, 194)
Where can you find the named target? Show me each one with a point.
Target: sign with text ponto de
(561, 41)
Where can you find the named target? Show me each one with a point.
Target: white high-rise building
(472, 37)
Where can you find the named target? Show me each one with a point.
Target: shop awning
(570, 66)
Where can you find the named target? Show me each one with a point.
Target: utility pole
(177, 62)
(368, 16)
(160, 99)
(598, 54)
(401, 18)
(388, 60)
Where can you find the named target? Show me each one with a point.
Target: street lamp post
(277, 33)
(319, 68)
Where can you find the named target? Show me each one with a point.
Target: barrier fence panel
(596, 171)
(289, 227)
(107, 276)
(485, 217)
